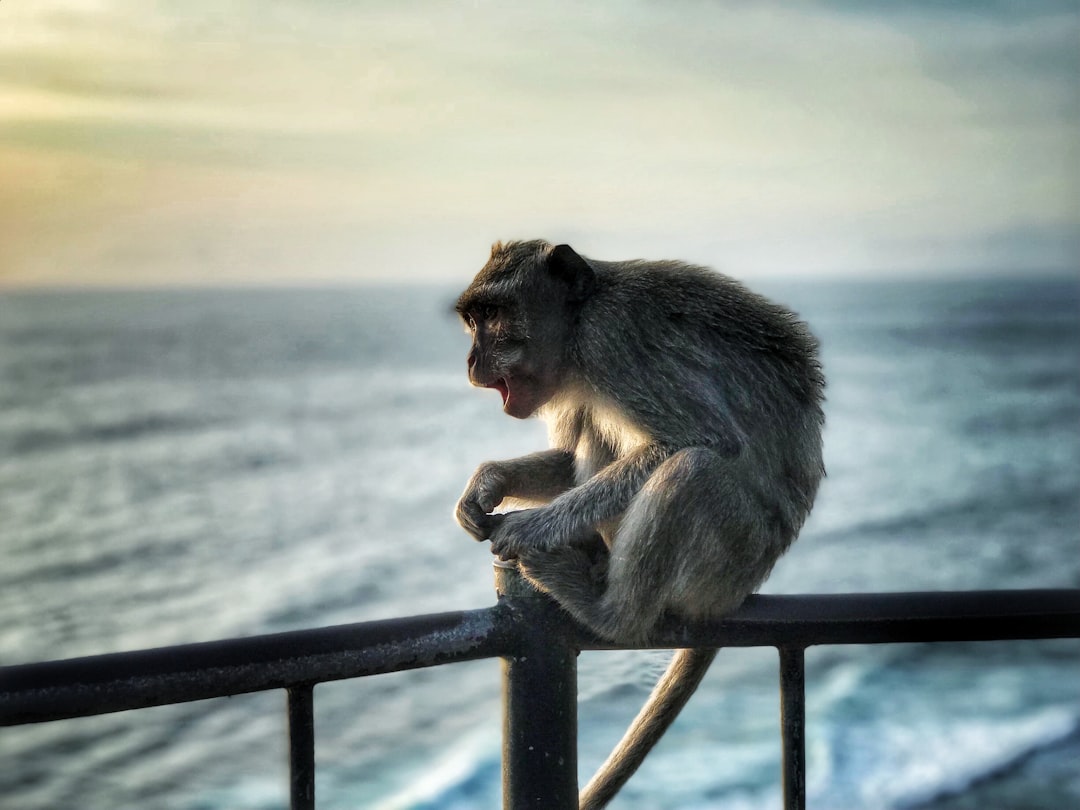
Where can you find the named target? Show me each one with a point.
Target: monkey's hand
(485, 490)
(529, 529)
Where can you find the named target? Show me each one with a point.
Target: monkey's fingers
(504, 544)
(491, 524)
(476, 522)
(503, 550)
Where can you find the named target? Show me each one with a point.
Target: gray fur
(685, 420)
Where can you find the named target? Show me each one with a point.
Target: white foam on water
(437, 784)
(900, 765)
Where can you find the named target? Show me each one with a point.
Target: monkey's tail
(670, 694)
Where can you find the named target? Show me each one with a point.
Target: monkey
(684, 415)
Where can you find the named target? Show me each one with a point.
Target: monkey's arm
(535, 477)
(579, 509)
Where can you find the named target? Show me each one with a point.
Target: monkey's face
(515, 355)
(519, 318)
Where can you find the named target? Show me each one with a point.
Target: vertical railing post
(539, 701)
(301, 748)
(793, 726)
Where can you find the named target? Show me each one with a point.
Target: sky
(173, 142)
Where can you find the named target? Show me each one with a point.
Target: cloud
(770, 136)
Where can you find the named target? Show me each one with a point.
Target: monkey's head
(520, 311)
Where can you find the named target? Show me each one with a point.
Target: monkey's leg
(691, 542)
(696, 540)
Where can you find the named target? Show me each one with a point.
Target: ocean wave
(979, 511)
(976, 750)
(29, 440)
(465, 777)
(895, 766)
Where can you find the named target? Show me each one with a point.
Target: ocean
(188, 465)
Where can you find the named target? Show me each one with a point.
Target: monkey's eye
(484, 313)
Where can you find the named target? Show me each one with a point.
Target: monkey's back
(698, 358)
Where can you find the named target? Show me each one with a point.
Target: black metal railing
(539, 647)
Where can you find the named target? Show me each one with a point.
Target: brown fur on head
(512, 312)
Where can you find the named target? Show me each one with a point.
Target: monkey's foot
(569, 574)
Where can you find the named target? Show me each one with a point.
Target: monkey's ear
(564, 263)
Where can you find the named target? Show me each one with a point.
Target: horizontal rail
(99, 684)
(882, 618)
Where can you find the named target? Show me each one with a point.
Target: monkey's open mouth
(503, 389)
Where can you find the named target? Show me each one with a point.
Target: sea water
(180, 466)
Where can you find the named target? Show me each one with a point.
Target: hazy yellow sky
(309, 141)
